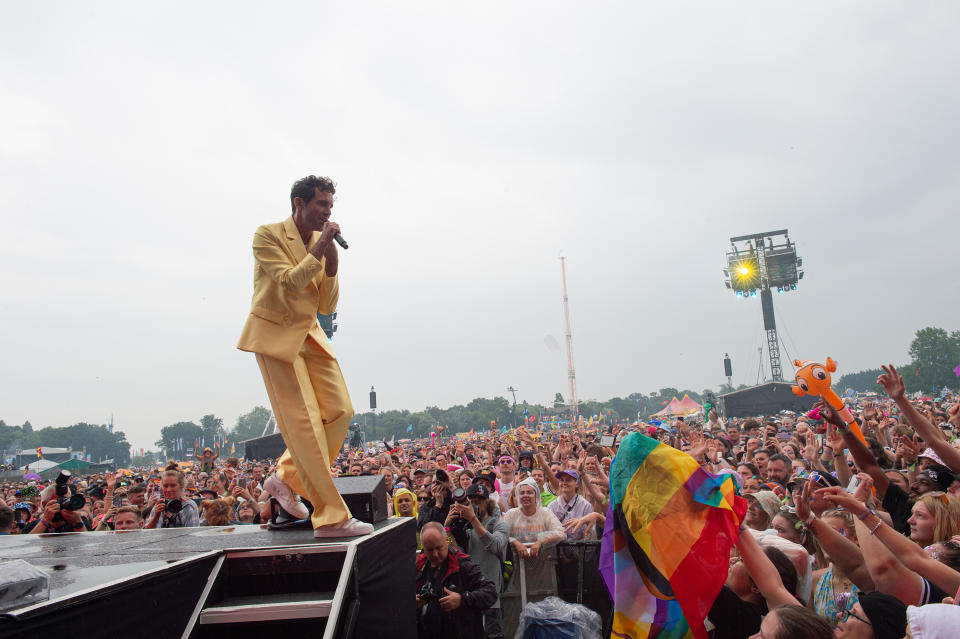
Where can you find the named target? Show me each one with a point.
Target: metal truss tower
(571, 372)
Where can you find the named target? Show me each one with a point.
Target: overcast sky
(473, 144)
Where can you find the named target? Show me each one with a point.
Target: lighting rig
(760, 263)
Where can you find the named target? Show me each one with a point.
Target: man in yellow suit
(294, 278)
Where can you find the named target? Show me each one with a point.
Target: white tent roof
(39, 466)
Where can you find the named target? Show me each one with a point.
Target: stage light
(739, 294)
(753, 293)
(793, 288)
(744, 271)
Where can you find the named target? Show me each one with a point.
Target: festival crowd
(840, 538)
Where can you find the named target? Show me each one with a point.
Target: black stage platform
(232, 581)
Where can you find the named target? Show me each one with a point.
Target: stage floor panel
(80, 561)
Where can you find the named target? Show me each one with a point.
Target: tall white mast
(571, 373)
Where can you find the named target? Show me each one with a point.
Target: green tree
(96, 440)
(934, 354)
(251, 425)
(12, 439)
(177, 438)
(212, 429)
(861, 381)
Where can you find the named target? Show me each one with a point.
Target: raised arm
(861, 454)
(763, 572)
(892, 382)
(843, 552)
(888, 573)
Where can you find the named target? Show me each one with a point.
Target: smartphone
(118, 501)
(607, 440)
(718, 456)
(242, 482)
(853, 485)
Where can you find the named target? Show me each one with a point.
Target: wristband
(875, 528)
(47, 524)
(810, 519)
(866, 513)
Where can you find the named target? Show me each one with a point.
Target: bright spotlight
(744, 270)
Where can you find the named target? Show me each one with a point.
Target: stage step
(269, 607)
(252, 591)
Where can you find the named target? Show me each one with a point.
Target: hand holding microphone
(332, 229)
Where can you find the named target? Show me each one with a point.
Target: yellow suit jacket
(290, 286)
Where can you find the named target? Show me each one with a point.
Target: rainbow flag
(666, 544)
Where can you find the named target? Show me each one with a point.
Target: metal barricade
(576, 579)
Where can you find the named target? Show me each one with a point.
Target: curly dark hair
(305, 188)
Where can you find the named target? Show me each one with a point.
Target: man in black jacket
(452, 592)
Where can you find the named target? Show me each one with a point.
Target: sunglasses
(848, 613)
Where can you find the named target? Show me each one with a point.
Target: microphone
(339, 240)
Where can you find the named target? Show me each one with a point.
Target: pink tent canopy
(679, 408)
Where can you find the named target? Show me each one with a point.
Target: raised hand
(909, 449)
(892, 383)
(697, 445)
(864, 490)
(869, 411)
(835, 440)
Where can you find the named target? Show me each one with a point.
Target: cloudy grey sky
(473, 143)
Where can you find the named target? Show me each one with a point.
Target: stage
(212, 581)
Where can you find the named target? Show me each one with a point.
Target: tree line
(934, 353)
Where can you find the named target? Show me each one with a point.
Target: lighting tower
(757, 263)
(571, 373)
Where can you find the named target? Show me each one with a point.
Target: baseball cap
(488, 477)
(939, 474)
(419, 470)
(572, 474)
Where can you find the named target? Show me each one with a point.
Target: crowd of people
(841, 537)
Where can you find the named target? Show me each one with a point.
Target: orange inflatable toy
(813, 378)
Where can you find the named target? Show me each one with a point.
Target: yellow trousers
(313, 412)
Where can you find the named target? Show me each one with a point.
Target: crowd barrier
(576, 580)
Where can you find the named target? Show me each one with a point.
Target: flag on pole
(233, 448)
(111, 422)
(666, 544)
(39, 452)
(409, 428)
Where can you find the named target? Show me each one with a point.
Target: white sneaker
(290, 502)
(349, 528)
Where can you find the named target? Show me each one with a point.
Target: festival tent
(39, 466)
(671, 409)
(679, 408)
(689, 406)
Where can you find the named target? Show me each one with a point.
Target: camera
(67, 500)
(61, 483)
(427, 593)
(442, 475)
(172, 506)
(459, 495)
